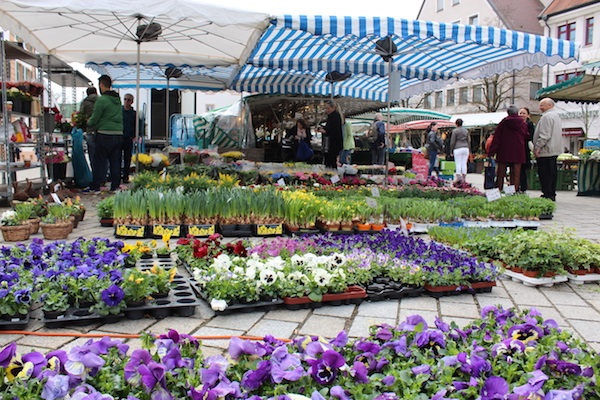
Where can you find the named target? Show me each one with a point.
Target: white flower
(275, 263)
(222, 262)
(267, 277)
(250, 273)
(337, 260)
(297, 260)
(8, 215)
(297, 276)
(322, 277)
(218, 305)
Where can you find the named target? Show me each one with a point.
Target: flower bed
(316, 265)
(505, 355)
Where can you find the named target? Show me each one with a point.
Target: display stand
(588, 178)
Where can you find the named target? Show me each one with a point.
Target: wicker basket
(56, 231)
(34, 225)
(16, 233)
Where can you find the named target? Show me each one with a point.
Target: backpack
(373, 133)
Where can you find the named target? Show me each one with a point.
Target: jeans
(432, 160)
(108, 148)
(127, 147)
(378, 155)
(548, 175)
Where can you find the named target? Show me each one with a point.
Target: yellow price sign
(269, 229)
(201, 230)
(171, 230)
(137, 231)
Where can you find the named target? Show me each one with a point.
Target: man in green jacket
(107, 118)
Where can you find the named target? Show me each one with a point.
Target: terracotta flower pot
(363, 227)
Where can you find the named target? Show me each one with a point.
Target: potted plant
(17, 301)
(104, 209)
(161, 280)
(136, 287)
(164, 251)
(55, 303)
(14, 225)
(57, 225)
(28, 209)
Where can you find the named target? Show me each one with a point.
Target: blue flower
(112, 296)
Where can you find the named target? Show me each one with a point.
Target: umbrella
(176, 33)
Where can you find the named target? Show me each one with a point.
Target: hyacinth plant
(507, 354)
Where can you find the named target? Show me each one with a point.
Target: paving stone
(487, 300)
(553, 313)
(419, 303)
(8, 339)
(385, 309)
(128, 326)
(48, 342)
(360, 325)
(464, 298)
(278, 329)
(319, 325)
(585, 313)
(589, 330)
(208, 351)
(287, 315)
(563, 297)
(344, 311)
(595, 346)
(526, 295)
(211, 331)
(460, 322)
(243, 321)
(459, 310)
(180, 324)
(134, 344)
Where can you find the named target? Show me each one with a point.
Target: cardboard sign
(510, 189)
(281, 182)
(335, 179)
(375, 191)
(403, 227)
(493, 194)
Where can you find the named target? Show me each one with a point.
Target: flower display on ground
(507, 354)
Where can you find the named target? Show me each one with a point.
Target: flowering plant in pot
(161, 279)
(14, 224)
(109, 299)
(15, 299)
(136, 285)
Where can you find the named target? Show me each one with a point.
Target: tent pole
(136, 145)
(389, 106)
(168, 99)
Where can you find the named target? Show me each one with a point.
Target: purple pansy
(112, 296)
(494, 388)
(325, 370)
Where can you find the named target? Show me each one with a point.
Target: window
(440, 5)
(566, 76)
(450, 97)
(589, 31)
(463, 95)
(455, 2)
(209, 107)
(477, 94)
(439, 99)
(533, 88)
(474, 20)
(567, 31)
(428, 101)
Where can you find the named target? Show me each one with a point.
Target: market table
(588, 178)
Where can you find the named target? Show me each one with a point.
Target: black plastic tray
(181, 301)
(14, 324)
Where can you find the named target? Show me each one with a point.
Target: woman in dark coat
(333, 130)
(524, 113)
(508, 145)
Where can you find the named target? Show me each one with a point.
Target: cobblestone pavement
(574, 307)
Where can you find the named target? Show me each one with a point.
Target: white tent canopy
(480, 119)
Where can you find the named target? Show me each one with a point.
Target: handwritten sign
(371, 202)
(335, 179)
(281, 182)
(375, 191)
(509, 189)
(493, 194)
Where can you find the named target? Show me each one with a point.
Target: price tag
(335, 179)
(281, 182)
(371, 202)
(56, 198)
(492, 194)
(375, 191)
(57, 187)
(510, 189)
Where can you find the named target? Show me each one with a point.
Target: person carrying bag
(304, 152)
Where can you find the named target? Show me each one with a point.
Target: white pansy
(239, 271)
(297, 276)
(337, 260)
(222, 262)
(267, 277)
(297, 260)
(275, 263)
(8, 215)
(218, 305)
(321, 277)
(250, 273)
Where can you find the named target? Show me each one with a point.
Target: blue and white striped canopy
(294, 54)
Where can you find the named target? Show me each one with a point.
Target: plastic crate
(564, 180)
(448, 166)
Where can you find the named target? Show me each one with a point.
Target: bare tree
(589, 114)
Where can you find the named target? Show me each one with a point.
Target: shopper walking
(460, 143)
(434, 145)
(547, 145)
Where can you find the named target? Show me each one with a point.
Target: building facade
(494, 93)
(579, 21)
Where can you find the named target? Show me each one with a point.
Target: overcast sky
(398, 8)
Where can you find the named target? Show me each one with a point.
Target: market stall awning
(399, 115)
(420, 125)
(479, 119)
(580, 89)
(293, 50)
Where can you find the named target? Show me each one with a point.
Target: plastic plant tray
(181, 301)
(582, 279)
(14, 324)
(527, 281)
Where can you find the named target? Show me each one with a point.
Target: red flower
(201, 252)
